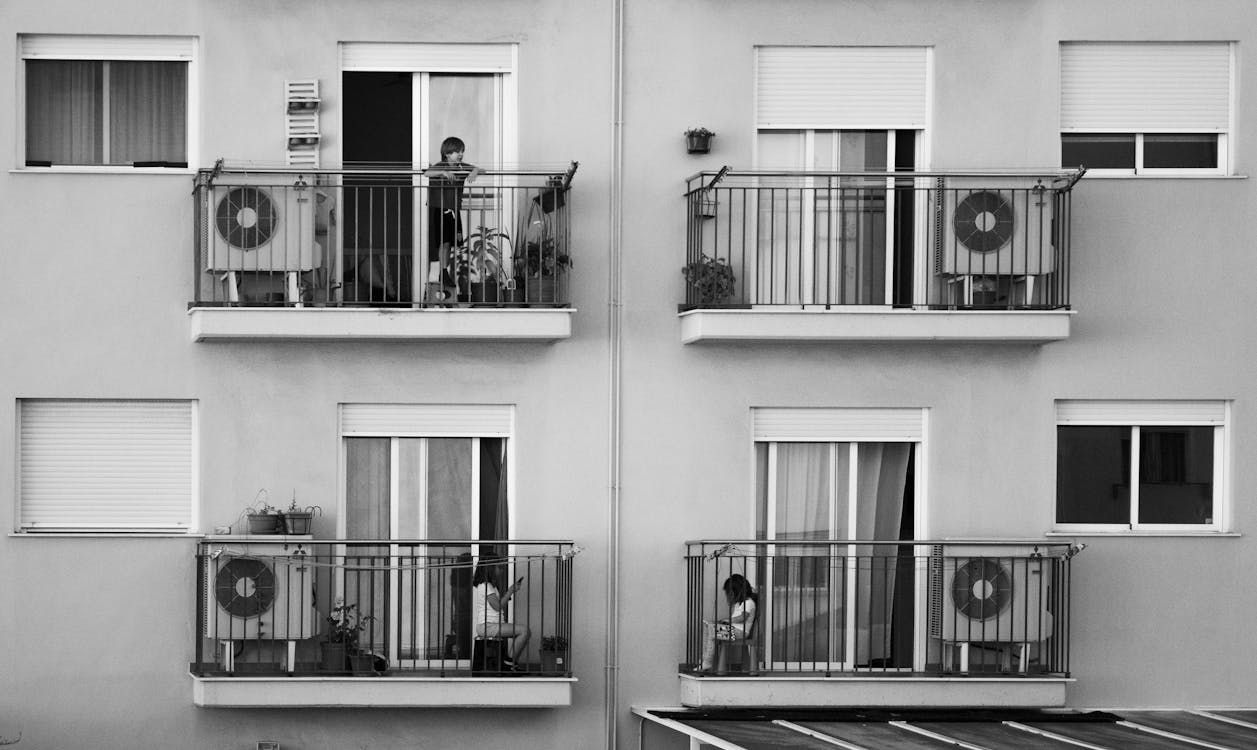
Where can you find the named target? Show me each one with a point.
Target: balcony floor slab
(379, 324)
(381, 692)
(854, 690)
(873, 324)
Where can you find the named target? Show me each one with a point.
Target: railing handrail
(1054, 173)
(499, 170)
(299, 539)
(921, 542)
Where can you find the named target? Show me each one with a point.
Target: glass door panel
(822, 239)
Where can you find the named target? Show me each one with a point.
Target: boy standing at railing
(445, 207)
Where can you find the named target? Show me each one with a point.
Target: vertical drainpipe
(611, 675)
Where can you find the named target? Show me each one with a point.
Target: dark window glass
(1098, 150)
(1176, 475)
(1181, 151)
(1092, 474)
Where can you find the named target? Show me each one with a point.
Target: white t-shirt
(482, 612)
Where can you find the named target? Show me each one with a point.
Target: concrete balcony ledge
(873, 324)
(282, 691)
(380, 324)
(854, 690)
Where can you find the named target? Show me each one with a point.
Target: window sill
(1098, 174)
(105, 535)
(1138, 533)
(173, 171)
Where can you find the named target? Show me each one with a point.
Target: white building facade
(961, 387)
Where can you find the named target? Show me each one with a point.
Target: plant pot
(485, 292)
(514, 296)
(546, 290)
(265, 523)
(362, 663)
(334, 657)
(697, 143)
(554, 661)
(298, 521)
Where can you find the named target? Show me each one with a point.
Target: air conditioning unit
(989, 594)
(983, 231)
(262, 222)
(259, 591)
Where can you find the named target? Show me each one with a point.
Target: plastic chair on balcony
(746, 647)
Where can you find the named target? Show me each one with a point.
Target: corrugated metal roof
(972, 729)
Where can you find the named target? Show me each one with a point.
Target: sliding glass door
(421, 488)
(831, 604)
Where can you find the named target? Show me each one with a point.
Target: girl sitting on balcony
(488, 608)
(741, 622)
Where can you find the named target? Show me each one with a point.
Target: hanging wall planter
(698, 140)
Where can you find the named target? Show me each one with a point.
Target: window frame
(1138, 170)
(22, 509)
(1136, 123)
(112, 48)
(1151, 418)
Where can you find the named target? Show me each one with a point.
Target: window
(1141, 465)
(106, 466)
(1146, 108)
(828, 239)
(825, 476)
(422, 472)
(107, 101)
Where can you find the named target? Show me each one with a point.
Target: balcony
(877, 256)
(292, 621)
(369, 254)
(872, 622)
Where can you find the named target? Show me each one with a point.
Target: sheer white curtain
(64, 100)
(106, 112)
(148, 112)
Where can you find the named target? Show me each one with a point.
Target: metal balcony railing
(927, 240)
(872, 607)
(380, 607)
(381, 238)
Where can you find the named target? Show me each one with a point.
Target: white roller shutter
(1138, 87)
(426, 420)
(802, 424)
(416, 57)
(1136, 412)
(883, 88)
(106, 465)
(93, 47)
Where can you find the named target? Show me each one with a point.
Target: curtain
(883, 475)
(809, 594)
(64, 106)
(148, 112)
(367, 474)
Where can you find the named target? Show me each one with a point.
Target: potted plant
(543, 266)
(711, 279)
(698, 140)
(341, 650)
(478, 265)
(263, 517)
(553, 653)
(298, 520)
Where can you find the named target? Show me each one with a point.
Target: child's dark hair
(738, 589)
(452, 144)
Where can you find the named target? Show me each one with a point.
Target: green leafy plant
(479, 257)
(346, 624)
(711, 278)
(700, 132)
(542, 258)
